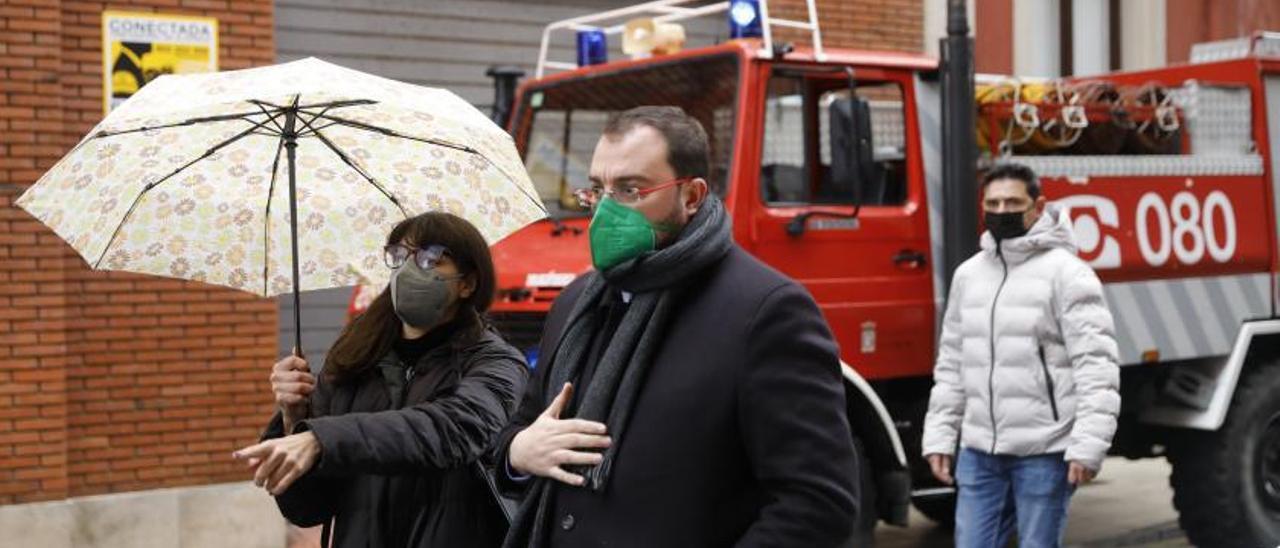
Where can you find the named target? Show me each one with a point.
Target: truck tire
(864, 532)
(1226, 484)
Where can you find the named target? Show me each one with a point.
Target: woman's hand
(292, 383)
(277, 463)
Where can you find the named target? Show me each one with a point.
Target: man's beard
(672, 224)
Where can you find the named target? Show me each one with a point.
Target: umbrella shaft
(290, 135)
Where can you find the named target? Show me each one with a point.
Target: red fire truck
(830, 162)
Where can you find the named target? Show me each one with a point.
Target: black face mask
(1004, 226)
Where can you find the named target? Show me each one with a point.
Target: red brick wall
(896, 25)
(108, 381)
(993, 36)
(1205, 21)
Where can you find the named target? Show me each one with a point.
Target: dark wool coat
(739, 435)
(405, 475)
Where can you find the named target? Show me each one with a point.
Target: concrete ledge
(233, 514)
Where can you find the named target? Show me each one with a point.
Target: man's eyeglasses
(626, 195)
(395, 255)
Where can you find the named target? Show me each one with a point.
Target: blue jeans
(995, 491)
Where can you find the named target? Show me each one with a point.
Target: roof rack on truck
(743, 12)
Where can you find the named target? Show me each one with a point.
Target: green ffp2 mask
(618, 233)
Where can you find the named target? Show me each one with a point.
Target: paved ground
(1130, 504)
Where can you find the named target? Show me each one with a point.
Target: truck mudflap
(873, 425)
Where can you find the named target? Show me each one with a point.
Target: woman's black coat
(397, 462)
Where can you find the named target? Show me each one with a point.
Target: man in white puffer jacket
(1026, 384)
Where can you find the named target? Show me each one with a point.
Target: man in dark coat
(688, 395)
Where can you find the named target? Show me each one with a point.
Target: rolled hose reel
(1102, 137)
(1158, 131)
(1090, 118)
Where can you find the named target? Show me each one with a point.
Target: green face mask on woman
(619, 233)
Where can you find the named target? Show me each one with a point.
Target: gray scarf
(655, 279)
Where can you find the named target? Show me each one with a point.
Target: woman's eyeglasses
(625, 195)
(395, 255)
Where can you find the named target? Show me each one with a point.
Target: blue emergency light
(592, 47)
(531, 357)
(744, 19)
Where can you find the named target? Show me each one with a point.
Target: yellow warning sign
(140, 47)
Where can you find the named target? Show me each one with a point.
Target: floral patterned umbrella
(277, 179)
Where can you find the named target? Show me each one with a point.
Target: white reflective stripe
(1125, 309)
(1171, 320)
(1185, 318)
(885, 420)
(1235, 294)
(1212, 325)
(1261, 288)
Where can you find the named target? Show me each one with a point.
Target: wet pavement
(1129, 504)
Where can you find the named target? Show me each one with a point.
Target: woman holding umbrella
(382, 446)
(279, 179)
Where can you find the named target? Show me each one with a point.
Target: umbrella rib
(313, 118)
(360, 125)
(347, 160)
(187, 122)
(150, 186)
(279, 127)
(536, 200)
(325, 126)
(266, 220)
(393, 133)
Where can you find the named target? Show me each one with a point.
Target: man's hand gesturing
(549, 443)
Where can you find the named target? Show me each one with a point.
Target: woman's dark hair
(370, 335)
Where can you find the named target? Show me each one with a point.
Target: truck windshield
(563, 120)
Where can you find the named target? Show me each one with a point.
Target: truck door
(839, 204)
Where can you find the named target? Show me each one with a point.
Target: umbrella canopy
(208, 177)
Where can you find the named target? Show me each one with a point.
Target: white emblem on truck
(1091, 214)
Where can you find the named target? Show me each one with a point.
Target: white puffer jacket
(1038, 374)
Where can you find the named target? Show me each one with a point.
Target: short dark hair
(1011, 170)
(688, 150)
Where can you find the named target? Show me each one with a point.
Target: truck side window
(804, 116)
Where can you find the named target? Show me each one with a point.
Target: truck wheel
(864, 533)
(1226, 484)
(939, 508)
